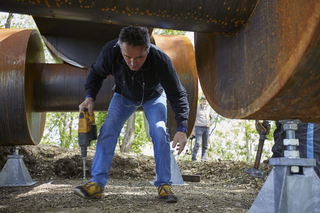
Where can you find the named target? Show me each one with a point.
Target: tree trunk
(70, 128)
(63, 129)
(129, 136)
(248, 144)
(248, 150)
(8, 23)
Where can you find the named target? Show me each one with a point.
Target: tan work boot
(165, 192)
(89, 191)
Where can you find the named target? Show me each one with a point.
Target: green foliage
(228, 141)
(100, 117)
(19, 21)
(159, 31)
(250, 135)
(140, 137)
(61, 129)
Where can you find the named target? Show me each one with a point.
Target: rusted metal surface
(73, 42)
(19, 123)
(60, 88)
(225, 17)
(181, 52)
(76, 41)
(268, 71)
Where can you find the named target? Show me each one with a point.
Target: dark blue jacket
(157, 73)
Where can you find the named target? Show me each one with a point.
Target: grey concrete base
(284, 192)
(15, 173)
(176, 177)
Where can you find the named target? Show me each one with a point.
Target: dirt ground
(224, 186)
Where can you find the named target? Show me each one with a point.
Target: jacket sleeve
(176, 94)
(98, 72)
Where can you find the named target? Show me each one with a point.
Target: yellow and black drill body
(87, 131)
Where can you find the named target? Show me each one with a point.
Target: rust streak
(57, 3)
(48, 5)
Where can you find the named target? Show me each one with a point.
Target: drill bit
(84, 169)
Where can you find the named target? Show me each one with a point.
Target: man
(144, 76)
(203, 121)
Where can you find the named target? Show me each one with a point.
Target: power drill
(87, 132)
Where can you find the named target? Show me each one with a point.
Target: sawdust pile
(224, 186)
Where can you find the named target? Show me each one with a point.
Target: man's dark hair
(135, 36)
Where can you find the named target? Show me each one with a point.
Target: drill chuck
(83, 151)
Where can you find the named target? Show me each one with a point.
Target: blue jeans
(201, 132)
(120, 109)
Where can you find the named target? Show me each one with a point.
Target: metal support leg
(176, 177)
(292, 186)
(15, 172)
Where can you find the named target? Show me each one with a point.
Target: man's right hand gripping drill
(89, 104)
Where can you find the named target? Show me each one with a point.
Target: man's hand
(179, 140)
(89, 104)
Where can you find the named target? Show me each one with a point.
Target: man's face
(134, 56)
(204, 102)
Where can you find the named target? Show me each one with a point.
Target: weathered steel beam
(223, 17)
(270, 70)
(60, 88)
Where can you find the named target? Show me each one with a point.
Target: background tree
(8, 22)
(129, 136)
(159, 31)
(250, 135)
(61, 129)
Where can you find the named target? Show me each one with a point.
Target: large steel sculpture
(255, 60)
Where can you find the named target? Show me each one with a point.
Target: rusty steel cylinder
(270, 70)
(20, 124)
(60, 88)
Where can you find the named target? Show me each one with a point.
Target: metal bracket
(176, 177)
(15, 172)
(292, 185)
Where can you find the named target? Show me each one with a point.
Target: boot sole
(170, 199)
(81, 194)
